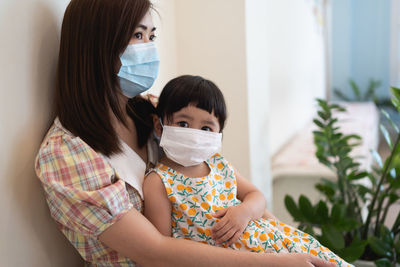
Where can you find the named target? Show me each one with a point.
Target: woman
(93, 159)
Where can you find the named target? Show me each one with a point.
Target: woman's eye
(183, 124)
(206, 128)
(152, 37)
(138, 35)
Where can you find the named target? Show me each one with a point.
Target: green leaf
(380, 247)
(333, 236)
(318, 123)
(355, 89)
(386, 235)
(353, 176)
(354, 251)
(306, 208)
(340, 95)
(377, 158)
(383, 263)
(292, 208)
(338, 212)
(387, 136)
(322, 212)
(396, 97)
(394, 126)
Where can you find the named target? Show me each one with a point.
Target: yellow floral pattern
(194, 200)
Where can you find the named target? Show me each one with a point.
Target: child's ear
(157, 125)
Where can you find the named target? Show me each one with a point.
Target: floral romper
(194, 200)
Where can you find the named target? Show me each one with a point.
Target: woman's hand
(231, 226)
(302, 260)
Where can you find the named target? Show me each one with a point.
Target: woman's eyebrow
(144, 27)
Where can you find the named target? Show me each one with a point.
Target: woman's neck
(195, 171)
(128, 132)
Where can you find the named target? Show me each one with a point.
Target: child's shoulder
(219, 161)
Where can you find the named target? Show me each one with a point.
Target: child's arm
(157, 207)
(235, 219)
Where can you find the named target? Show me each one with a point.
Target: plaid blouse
(84, 194)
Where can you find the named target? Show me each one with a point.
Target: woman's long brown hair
(93, 36)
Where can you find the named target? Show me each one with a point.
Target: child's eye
(138, 35)
(152, 37)
(206, 128)
(183, 124)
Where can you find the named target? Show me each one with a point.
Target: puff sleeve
(82, 190)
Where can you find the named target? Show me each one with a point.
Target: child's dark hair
(141, 111)
(192, 90)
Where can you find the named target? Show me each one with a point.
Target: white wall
(258, 95)
(29, 33)
(296, 67)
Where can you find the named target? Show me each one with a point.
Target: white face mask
(188, 146)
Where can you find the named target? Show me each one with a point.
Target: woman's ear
(157, 125)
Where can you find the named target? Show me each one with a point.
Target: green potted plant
(350, 219)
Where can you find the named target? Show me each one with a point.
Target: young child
(195, 193)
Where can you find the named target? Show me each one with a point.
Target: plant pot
(362, 263)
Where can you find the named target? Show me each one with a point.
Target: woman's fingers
(317, 262)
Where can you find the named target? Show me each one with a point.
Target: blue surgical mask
(139, 68)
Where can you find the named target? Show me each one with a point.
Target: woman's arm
(157, 207)
(136, 238)
(235, 219)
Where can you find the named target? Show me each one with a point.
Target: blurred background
(270, 58)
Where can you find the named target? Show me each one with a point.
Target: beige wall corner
(29, 47)
(211, 43)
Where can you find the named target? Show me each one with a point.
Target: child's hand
(232, 224)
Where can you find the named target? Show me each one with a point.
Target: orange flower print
(222, 197)
(228, 184)
(213, 192)
(183, 206)
(220, 165)
(263, 237)
(246, 235)
(192, 212)
(209, 197)
(271, 236)
(238, 245)
(172, 199)
(207, 232)
(180, 187)
(230, 196)
(205, 205)
(168, 190)
(163, 168)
